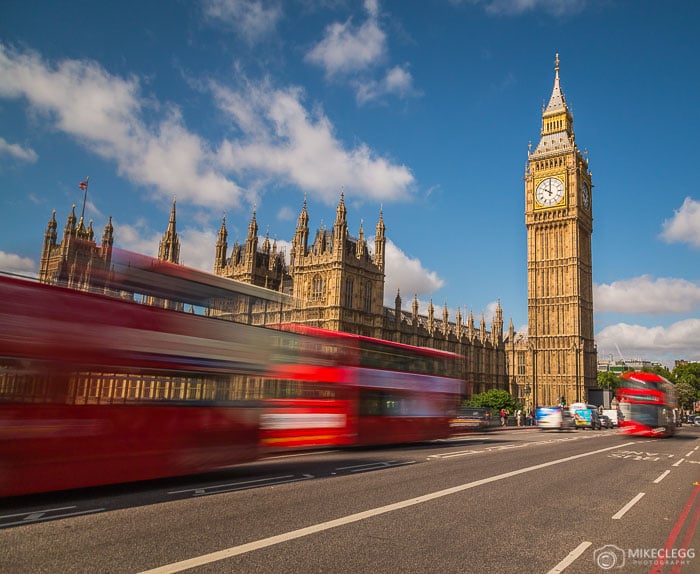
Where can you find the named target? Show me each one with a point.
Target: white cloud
(515, 7)
(285, 213)
(252, 19)
(684, 226)
(139, 237)
(17, 151)
(198, 247)
(13, 263)
(398, 81)
(407, 274)
(106, 114)
(281, 139)
(647, 295)
(347, 49)
(680, 340)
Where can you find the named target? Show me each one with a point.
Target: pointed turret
(266, 242)
(557, 132)
(50, 234)
(431, 317)
(251, 242)
(397, 308)
(169, 249)
(340, 227)
(380, 242)
(108, 238)
(300, 243)
(497, 325)
(361, 241)
(69, 229)
(445, 317)
(414, 315)
(221, 248)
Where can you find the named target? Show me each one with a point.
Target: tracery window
(317, 288)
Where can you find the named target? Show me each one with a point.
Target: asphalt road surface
(520, 501)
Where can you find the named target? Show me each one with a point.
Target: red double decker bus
(356, 390)
(97, 389)
(648, 404)
(165, 371)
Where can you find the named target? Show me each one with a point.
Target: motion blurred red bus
(96, 389)
(648, 404)
(358, 390)
(168, 371)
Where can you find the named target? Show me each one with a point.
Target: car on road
(554, 418)
(605, 422)
(586, 416)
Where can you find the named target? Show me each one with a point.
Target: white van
(554, 418)
(614, 415)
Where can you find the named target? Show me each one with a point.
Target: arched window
(317, 288)
(367, 302)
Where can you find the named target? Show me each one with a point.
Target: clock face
(585, 194)
(549, 192)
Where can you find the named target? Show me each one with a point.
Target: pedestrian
(504, 417)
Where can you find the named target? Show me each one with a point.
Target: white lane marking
(620, 513)
(690, 453)
(42, 511)
(678, 463)
(573, 555)
(46, 518)
(241, 483)
(664, 474)
(375, 465)
(315, 528)
(508, 447)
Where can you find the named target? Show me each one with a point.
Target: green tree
(687, 395)
(495, 400)
(608, 380)
(687, 373)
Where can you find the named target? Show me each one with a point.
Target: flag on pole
(83, 185)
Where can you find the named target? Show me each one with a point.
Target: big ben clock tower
(559, 221)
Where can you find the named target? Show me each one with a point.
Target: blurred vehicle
(554, 418)
(161, 370)
(385, 392)
(98, 389)
(648, 402)
(585, 416)
(605, 422)
(473, 418)
(696, 421)
(614, 415)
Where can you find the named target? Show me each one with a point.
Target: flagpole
(85, 188)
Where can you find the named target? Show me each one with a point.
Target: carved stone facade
(338, 283)
(77, 256)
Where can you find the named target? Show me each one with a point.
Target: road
(517, 501)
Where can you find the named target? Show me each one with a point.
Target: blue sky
(423, 109)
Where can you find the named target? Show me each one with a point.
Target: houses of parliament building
(337, 280)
